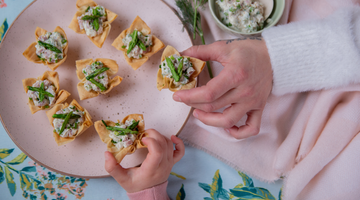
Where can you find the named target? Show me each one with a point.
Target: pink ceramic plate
(136, 94)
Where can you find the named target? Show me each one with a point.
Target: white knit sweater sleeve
(315, 55)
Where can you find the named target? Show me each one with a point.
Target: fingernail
(195, 114)
(227, 130)
(176, 98)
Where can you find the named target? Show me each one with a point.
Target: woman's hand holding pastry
(244, 85)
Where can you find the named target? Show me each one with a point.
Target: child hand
(156, 167)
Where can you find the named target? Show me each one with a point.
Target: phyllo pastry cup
(30, 52)
(104, 133)
(141, 26)
(84, 125)
(98, 40)
(53, 77)
(166, 82)
(113, 69)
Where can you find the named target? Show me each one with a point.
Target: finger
(114, 169)
(179, 148)
(169, 149)
(152, 133)
(154, 156)
(205, 52)
(215, 88)
(227, 119)
(230, 97)
(251, 128)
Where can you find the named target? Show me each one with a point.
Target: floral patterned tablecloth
(196, 176)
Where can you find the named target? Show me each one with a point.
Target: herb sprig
(191, 18)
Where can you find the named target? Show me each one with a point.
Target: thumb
(205, 52)
(114, 169)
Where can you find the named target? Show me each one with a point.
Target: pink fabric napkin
(310, 138)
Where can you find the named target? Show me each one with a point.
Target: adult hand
(244, 85)
(156, 167)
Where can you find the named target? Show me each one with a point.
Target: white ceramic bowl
(275, 15)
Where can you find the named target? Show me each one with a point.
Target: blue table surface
(193, 177)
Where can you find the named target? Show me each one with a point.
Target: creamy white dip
(92, 28)
(137, 52)
(243, 15)
(101, 78)
(121, 140)
(54, 39)
(187, 69)
(72, 126)
(47, 101)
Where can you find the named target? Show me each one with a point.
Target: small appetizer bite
(123, 137)
(137, 43)
(95, 77)
(44, 92)
(177, 72)
(69, 121)
(93, 20)
(49, 49)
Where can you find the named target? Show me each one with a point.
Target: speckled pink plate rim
(36, 160)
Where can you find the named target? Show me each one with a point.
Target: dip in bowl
(246, 17)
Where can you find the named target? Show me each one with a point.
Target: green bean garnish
(133, 125)
(172, 69)
(141, 45)
(66, 120)
(90, 17)
(40, 91)
(180, 67)
(104, 123)
(96, 24)
(99, 85)
(63, 116)
(122, 130)
(97, 72)
(133, 42)
(49, 46)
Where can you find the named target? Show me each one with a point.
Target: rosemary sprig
(191, 18)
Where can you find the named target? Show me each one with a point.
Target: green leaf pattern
(241, 191)
(5, 153)
(3, 28)
(10, 181)
(2, 177)
(18, 160)
(36, 182)
(181, 194)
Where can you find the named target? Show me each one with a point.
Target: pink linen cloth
(310, 138)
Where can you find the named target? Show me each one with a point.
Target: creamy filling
(47, 101)
(121, 140)
(50, 47)
(102, 78)
(92, 20)
(73, 125)
(137, 52)
(187, 69)
(243, 15)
